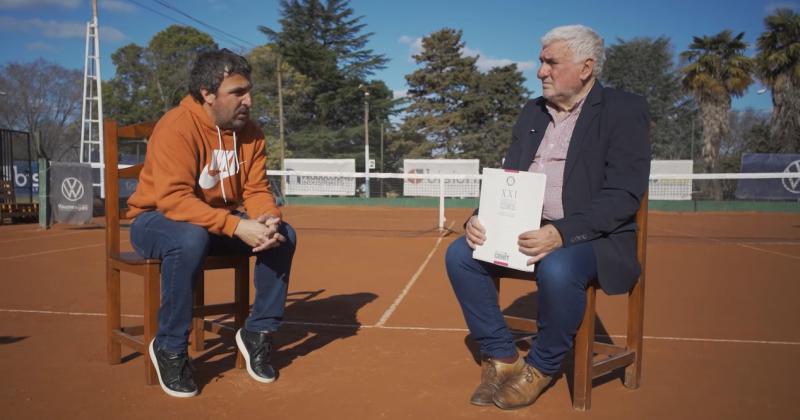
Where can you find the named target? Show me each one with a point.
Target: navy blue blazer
(605, 176)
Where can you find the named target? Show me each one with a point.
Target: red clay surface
(373, 330)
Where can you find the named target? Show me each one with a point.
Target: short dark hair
(211, 67)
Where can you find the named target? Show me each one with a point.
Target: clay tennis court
(373, 330)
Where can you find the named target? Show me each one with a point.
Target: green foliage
(325, 43)
(295, 88)
(749, 133)
(438, 91)
(460, 111)
(716, 69)
(151, 80)
(492, 107)
(644, 66)
(326, 63)
(778, 66)
(43, 98)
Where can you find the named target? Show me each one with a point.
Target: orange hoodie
(193, 174)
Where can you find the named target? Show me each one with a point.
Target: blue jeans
(182, 247)
(561, 277)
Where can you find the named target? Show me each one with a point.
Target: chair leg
(584, 354)
(242, 299)
(198, 322)
(113, 315)
(633, 372)
(152, 301)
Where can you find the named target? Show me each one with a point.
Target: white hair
(583, 41)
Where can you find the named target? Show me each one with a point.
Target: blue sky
(500, 31)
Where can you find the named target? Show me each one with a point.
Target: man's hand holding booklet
(510, 204)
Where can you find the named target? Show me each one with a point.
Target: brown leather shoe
(522, 388)
(493, 374)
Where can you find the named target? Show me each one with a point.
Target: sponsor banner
(769, 189)
(24, 178)
(671, 189)
(71, 193)
(419, 187)
(320, 185)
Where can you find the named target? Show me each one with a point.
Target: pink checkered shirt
(550, 158)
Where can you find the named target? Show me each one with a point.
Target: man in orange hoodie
(205, 160)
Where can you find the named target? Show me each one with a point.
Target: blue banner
(25, 177)
(769, 189)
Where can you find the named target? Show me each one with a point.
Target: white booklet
(510, 204)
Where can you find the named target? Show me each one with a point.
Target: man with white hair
(592, 143)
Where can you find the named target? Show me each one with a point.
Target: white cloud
(40, 46)
(486, 63)
(414, 46)
(56, 29)
(117, 6)
(32, 4)
(397, 94)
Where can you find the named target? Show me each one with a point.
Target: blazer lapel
(535, 131)
(591, 109)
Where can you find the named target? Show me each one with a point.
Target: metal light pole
(280, 128)
(366, 143)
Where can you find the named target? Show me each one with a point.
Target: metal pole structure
(91, 114)
(280, 129)
(366, 143)
(382, 169)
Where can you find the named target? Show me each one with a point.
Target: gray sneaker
(174, 372)
(256, 347)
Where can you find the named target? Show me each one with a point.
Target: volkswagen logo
(510, 181)
(792, 184)
(72, 189)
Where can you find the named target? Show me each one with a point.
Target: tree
(644, 66)
(295, 89)
(150, 81)
(325, 43)
(716, 69)
(437, 91)
(491, 109)
(778, 66)
(44, 98)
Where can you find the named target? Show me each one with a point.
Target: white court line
(37, 238)
(794, 257)
(52, 251)
(358, 326)
(396, 303)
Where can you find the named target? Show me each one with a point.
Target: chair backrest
(112, 134)
(641, 235)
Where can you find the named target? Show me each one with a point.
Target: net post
(44, 221)
(441, 203)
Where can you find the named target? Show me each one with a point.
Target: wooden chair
(150, 269)
(592, 358)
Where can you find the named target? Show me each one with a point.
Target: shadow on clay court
(296, 339)
(526, 306)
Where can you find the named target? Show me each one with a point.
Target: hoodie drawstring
(227, 165)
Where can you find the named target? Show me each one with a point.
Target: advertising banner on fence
(26, 180)
(320, 185)
(419, 187)
(769, 189)
(671, 189)
(71, 192)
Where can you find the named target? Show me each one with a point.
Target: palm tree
(778, 66)
(716, 69)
